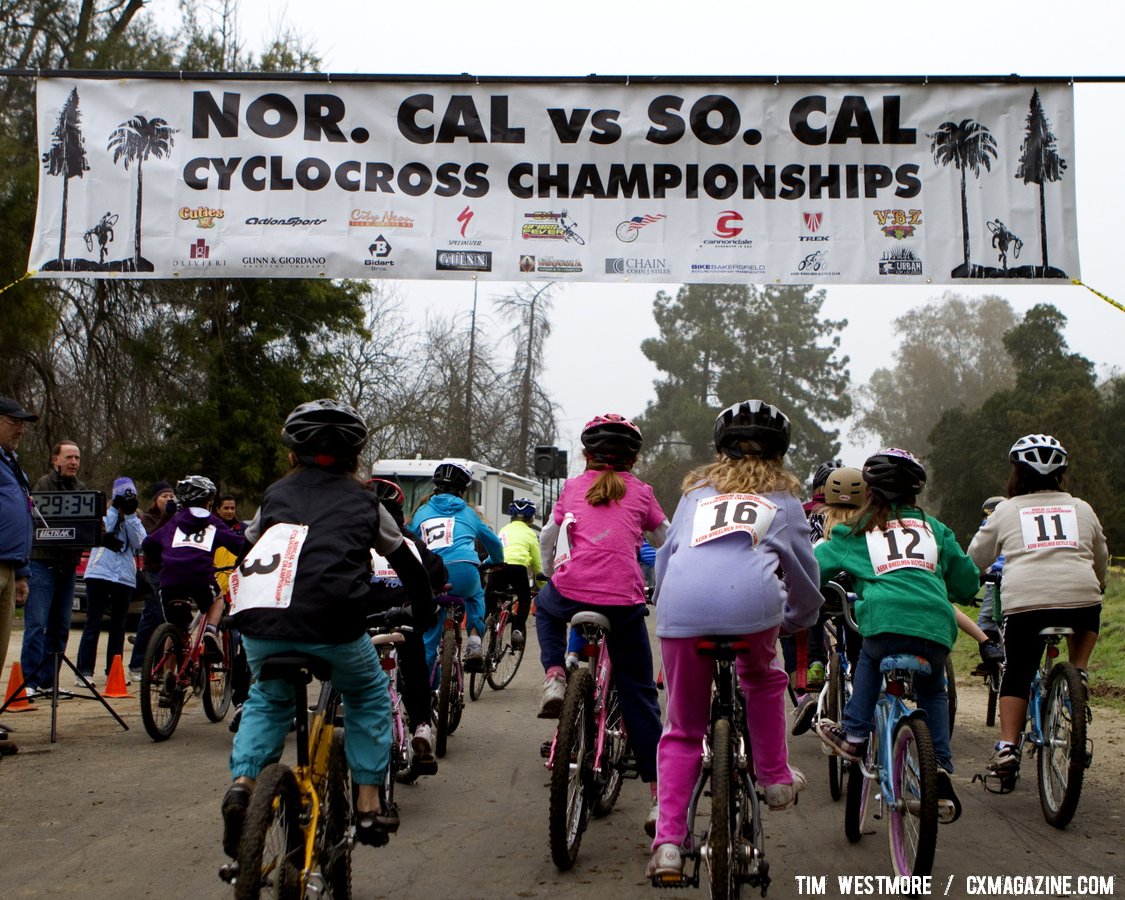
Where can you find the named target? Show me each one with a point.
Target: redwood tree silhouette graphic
(66, 157)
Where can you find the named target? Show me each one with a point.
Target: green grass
(1107, 665)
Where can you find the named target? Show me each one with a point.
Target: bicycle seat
(720, 647)
(1055, 631)
(587, 618)
(904, 662)
(296, 668)
(449, 600)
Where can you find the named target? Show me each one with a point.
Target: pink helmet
(611, 438)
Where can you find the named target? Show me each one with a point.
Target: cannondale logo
(726, 225)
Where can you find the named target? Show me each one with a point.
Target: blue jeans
(100, 596)
(464, 581)
(46, 620)
(152, 615)
(269, 710)
(631, 655)
(929, 690)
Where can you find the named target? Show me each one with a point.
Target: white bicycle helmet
(1040, 452)
(452, 477)
(195, 490)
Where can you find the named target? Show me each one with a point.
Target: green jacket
(905, 575)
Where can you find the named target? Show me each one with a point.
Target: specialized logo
(379, 249)
(898, 223)
(464, 218)
(363, 218)
(628, 230)
(726, 225)
(630, 265)
(464, 260)
(900, 261)
(203, 216)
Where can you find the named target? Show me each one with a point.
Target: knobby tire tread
(916, 731)
(337, 820)
(721, 838)
(833, 710)
(160, 723)
(216, 700)
(575, 733)
(275, 783)
(1064, 677)
(445, 690)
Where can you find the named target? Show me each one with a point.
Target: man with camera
(46, 618)
(111, 578)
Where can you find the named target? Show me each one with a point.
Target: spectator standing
(15, 528)
(227, 510)
(111, 579)
(162, 508)
(50, 599)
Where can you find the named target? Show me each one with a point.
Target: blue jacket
(457, 543)
(119, 567)
(15, 515)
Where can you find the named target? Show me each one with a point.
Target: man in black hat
(15, 528)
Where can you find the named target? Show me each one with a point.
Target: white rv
(490, 493)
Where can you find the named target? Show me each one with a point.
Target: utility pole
(469, 376)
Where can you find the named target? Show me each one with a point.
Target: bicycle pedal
(672, 881)
(228, 872)
(545, 749)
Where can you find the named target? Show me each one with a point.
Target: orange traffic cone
(15, 680)
(115, 684)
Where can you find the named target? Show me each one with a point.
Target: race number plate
(1049, 526)
(729, 513)
(264, 579)
(903, 544)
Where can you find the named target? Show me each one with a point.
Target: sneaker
(212, 646)
(653, 815)
(1003, 768)
(135, 675)
(423, 746)
(834, 737)
(554, 690)
(236, 719)
(132, 639)
(949, 805)
(474, 654)
(779, 796)
(803, 714)
(667, 862)
(79, 683)
(374, 827)
(814, 677)
(235, 801)
(517, 639)
(572, 662)
(7, 747)
(991, 655)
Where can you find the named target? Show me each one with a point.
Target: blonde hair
(749, 475)
(609, 485)
(831, 516)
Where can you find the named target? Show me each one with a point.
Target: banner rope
(1108, 300)
(23, 277)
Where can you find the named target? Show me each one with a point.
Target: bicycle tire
(951, 691)
(1061, 760)
(457, 690)
(336, 848)
(722, 835)
(857, 803)
(162, 697)
(993, 682)
(834, 708)
(505, 659)
(219, 687)
(569, 811)
(272, 841)
(441, 717)
(912, 821)
(477, 679)
(616, 745)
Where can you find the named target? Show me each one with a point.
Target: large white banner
(654, 181)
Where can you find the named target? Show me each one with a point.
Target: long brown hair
(609, 486)
(877, 512)
(748, 475)
(1025, 480)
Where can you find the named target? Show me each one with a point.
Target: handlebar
(837, 596)
(393, 617)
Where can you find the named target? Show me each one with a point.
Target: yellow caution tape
(1108, 300)
(17, 281)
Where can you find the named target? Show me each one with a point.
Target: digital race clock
(68, 518)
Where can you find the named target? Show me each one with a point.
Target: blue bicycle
(899, 776)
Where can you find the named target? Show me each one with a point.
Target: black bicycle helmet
(386, 491)
(763, 427)
(612, 439)
(820, 476)
(523, 507)
(452, 477)
(1040, 452)
(894, 474)
(324, 428)
(195, 490)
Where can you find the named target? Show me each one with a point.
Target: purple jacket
(184, 548)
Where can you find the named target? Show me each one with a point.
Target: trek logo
(725, 226)
(813, 220)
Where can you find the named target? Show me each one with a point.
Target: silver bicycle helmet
(1040, 452)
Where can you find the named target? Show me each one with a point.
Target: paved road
(108, 813)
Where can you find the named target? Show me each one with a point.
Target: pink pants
(687, 683)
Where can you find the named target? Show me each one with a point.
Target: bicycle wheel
(616, 744)
(570, 773)
(857, 803)
(505, 659)
(1062, 758)
(336, 814)
(834, 708)
(162, 698)
(912, 822)
(457, 690)
(218, 685)
(993, 682)
(270, 852)
(722, 837)
(445, 689)
(477, 679)
(951, 690)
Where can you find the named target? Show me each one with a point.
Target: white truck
(490, 493)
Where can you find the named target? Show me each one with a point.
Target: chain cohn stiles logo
(202, 216)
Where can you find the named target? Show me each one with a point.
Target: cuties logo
(203, 216)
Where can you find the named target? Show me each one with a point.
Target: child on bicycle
(1055, 560)
(183, 549)
(451, 529)
(738, 522)
(905, 567)
(321, 525)
(387, 592)
(590, 549)
(522, 562)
